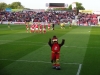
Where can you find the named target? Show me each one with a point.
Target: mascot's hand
(49, 38)
(51, 61)
(63, 39)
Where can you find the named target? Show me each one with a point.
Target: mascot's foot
(54, 67)
(58, 68)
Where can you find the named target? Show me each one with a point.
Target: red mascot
(55, 48)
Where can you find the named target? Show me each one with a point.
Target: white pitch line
(79, 69)
(35, 61)
(38, 44)
(78, 72)
(48, 45)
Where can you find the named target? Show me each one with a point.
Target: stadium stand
(49, 16)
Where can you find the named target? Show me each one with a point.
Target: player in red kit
(32, 28)
(49, 26)
(44, 29)
(36, 28)
(55, 49)
(27, 28)
(27, 20)
(40, 28)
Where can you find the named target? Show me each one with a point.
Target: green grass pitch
(23, 53)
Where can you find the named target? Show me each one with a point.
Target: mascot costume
(55, 51)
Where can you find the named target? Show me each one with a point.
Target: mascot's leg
(57, 64)
(57, 61)
(54, 64)
(53, 60)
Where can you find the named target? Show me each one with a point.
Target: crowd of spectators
(50, 16)
(90, 19)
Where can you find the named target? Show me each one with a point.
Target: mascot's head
(54, 39)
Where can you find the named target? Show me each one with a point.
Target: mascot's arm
(49, 42)
(62, 43)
